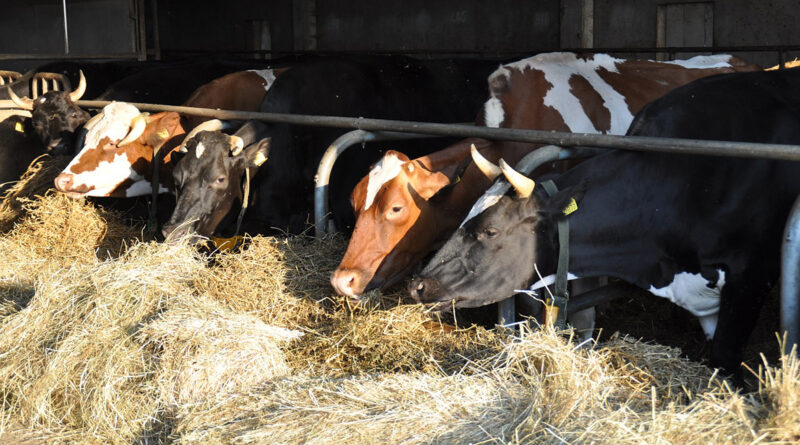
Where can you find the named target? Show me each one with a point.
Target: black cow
(378, 87)
(54, 117)
(17, 149)
(703, 231)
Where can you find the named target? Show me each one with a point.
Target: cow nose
(347, 282)
(423, 290)
(64, 182)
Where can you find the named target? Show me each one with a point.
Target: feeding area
(106, 336)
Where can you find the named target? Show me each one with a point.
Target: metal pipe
(637, 143)
(790, 280)
(601, 295)
(66, 32)
(333, 152)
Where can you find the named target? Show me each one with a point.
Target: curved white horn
(211, 125)
(490, 170)
(93, 121)
(237, 144)
(75, 95)
(25, 104)
(522, 184)
(137, 128)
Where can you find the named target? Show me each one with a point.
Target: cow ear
(257, 154)
(563, 203)
(428, 183)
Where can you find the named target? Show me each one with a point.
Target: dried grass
(104, 338)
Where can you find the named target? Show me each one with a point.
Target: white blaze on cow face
(384, 171)
(268, 75)
(696, 294)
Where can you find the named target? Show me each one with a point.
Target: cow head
(117, 155)
(395, 227)
(208, 179)
(496, 252)
(55, 117)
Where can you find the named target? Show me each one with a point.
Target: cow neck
(560, 296)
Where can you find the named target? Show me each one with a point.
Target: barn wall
(504, 25)
(632, 23)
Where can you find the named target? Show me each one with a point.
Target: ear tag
(163, 133)
(19, 128)
(458, 179)
(260, 159)
(571, 207)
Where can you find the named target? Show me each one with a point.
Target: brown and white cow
(398, 224)
(106, 167)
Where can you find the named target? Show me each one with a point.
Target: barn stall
(110, 335)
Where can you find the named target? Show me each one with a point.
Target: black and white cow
(376, 87)
(703, 231)
(55, 118)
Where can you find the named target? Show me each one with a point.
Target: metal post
(333, 152)
(790, 280)
(66, 33)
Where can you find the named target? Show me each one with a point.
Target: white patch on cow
(704, 62)
(198, 151)
(384, 171)
(488, 199)
(692, 292)
(268, 75)
(115, 124)
(143, 187)
(107, 176)
(493, 112)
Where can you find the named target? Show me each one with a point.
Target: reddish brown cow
(113, 164)
(400, 215)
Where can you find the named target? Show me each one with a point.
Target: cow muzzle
(64, 183)
(349, 282)
(424, 290)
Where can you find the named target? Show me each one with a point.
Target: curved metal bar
(790, 282)
(506, 310)
(323, 176)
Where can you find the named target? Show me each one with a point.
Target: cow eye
(397, 209)
(490, 232)
(220, 180)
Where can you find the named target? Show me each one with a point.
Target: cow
(95, 173)
(551, 91)
(702, 231)
(377, 87)
(55, 118)
(18, 148)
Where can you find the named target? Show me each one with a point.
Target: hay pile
(107, 338)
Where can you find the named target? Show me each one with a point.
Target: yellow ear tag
(260, 159)
(226, 244)
(163, 133)
(458, 179)
(571, 207)
(19, 128)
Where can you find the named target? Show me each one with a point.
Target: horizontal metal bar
(638, 143)
(505, 51)
(601, 295)
(67, 56)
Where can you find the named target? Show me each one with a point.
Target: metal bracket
(8, 77)
(42, 83)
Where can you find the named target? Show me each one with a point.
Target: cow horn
(25, 104)
(490, 170)
(137, 128)
(75, 95)
(522, 184)
(93, 121)
(210, 125)
(237, 144)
